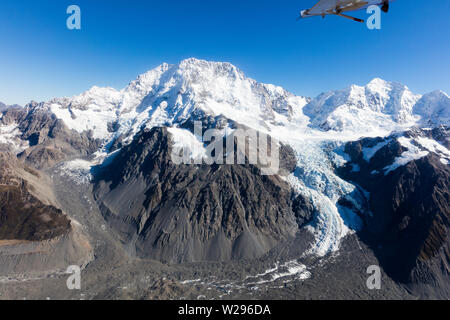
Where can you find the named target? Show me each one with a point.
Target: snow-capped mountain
(378, 106)
(434, 109)
(170, 94)
(105, 123)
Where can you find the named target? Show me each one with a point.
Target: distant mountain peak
(169, 94)
(434, 108)
(378, 83)
(378, 105)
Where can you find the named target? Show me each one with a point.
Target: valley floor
(283, 273)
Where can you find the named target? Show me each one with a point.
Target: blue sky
(40, 58)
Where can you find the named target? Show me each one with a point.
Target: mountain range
(366, 164)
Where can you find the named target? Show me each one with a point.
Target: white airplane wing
(325, 7)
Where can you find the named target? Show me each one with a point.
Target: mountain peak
(377, 107)
(184, 74)
(200, 63)
(195, 70)
(170, 94)
(434, 108)
(383, 86)
(378, 82)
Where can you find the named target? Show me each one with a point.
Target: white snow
(368, 153)
(434, 146)
(10, 135)
(78, 170)
(92, 110)
(413, 153)
(170, 94)
(288, 269)
(187, 143)
(418, 148)
(380, 107)
(434, 109)
(190, 281)
(8, 132)
(315, 179)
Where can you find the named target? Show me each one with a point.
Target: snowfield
(10, 135)
(413, 153)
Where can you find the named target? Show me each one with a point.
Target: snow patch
(292, 269)
(369, 153)
(10, 135)
(185, 141)
(413, 153)
(434, 146)
(78, 170)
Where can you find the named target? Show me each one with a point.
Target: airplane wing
(326, 7)
(322, 7)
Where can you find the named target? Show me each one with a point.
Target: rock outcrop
(410, 206)
(185, 213)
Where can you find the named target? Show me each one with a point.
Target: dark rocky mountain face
(36, 237)
(22, 215)
(410, 206)
(185, 213)
(49, 139)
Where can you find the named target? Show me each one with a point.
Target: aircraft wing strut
(339, 7)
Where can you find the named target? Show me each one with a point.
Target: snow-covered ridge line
(171, 93)
(418, 148)
(413, 153)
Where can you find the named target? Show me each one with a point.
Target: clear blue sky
(40, 58)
